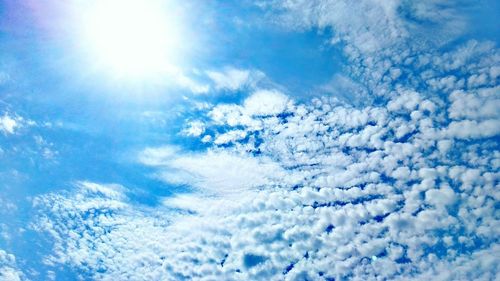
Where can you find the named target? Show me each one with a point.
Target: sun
(131, 38)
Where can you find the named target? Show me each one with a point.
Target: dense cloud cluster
(9, 270)
(402, 187)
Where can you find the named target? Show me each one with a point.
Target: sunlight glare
(131, 37)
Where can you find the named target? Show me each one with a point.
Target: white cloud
(345, 89)
(158, 156)
(279, 214)
(8, 268)
(8, 124)
(230, 137)
(11, 123)
(472, 129)
(189, 83)
(265, 102)
(483, 103)
(375, 26)
(214, 171)
(234, 79)
(442, 197)
(370, 27)
(95, 229)
(111, 191)
(185, 80)
(194, 128)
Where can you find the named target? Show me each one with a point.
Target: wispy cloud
(233, 79)
(214, 172)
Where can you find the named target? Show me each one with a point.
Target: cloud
(194, 128)
(325, 191)
(8, 124)
(214, 171)
(403, 188)
(11, 122)
(345, 89)
(480, 104)
(229, 79)
(367, 26)
(8, 268)
(266, 102)
(185, 81)
(96, 229)
(233, 79)
(472, 129)
(158, 156)
(370, 26)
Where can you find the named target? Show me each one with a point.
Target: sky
(249, 140)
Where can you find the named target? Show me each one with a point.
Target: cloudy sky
(249, 140)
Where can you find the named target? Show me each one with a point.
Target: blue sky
(278, 140)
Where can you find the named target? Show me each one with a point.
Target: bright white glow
(131, 38)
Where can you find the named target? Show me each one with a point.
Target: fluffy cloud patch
(8, 124)
(472, 129)
(266, 102)
(8, 268)
(194, 128)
